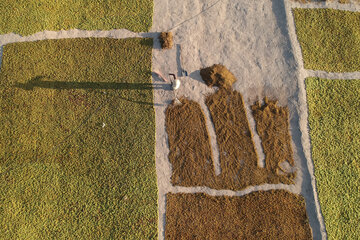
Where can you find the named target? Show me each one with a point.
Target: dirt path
(255, 41)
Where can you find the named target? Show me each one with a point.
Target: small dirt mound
(217, 75)
(166, 40)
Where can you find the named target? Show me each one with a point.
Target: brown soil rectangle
(275, 214)
(272, 125)
(190, 151)
(238, 159)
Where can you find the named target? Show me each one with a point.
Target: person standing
(176, 82)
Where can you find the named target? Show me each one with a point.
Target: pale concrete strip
(257, 140)
(352, 6)
(214, 192)
(212, 135)
(303, 110)
(74, 33)
(332, 75)
(163, 166)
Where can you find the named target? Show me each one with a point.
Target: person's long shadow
(37, 82)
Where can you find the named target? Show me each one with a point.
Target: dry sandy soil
(251, 38)
(256, 41)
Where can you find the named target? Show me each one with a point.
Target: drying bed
(322, 34)
(31, 16)
(334, 121)
(190, 153)
(274, 214)
(77, 152)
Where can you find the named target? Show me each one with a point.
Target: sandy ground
(256, 40)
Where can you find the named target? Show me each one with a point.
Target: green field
(334, 119)
(329, 39)
(77, 142)
(26, 17)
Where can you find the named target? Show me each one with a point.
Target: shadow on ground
(38, 82)
(196, 76)
(155, 37)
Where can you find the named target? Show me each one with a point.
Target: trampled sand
(251, 38)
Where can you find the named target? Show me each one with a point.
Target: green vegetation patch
(77, 142)
(30, 16)
(329, 39)
(334, 119)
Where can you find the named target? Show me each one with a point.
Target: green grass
(62, 174)
(334, 119)
(329, 39)
(26, 17)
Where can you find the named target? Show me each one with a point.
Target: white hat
(176, 84)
